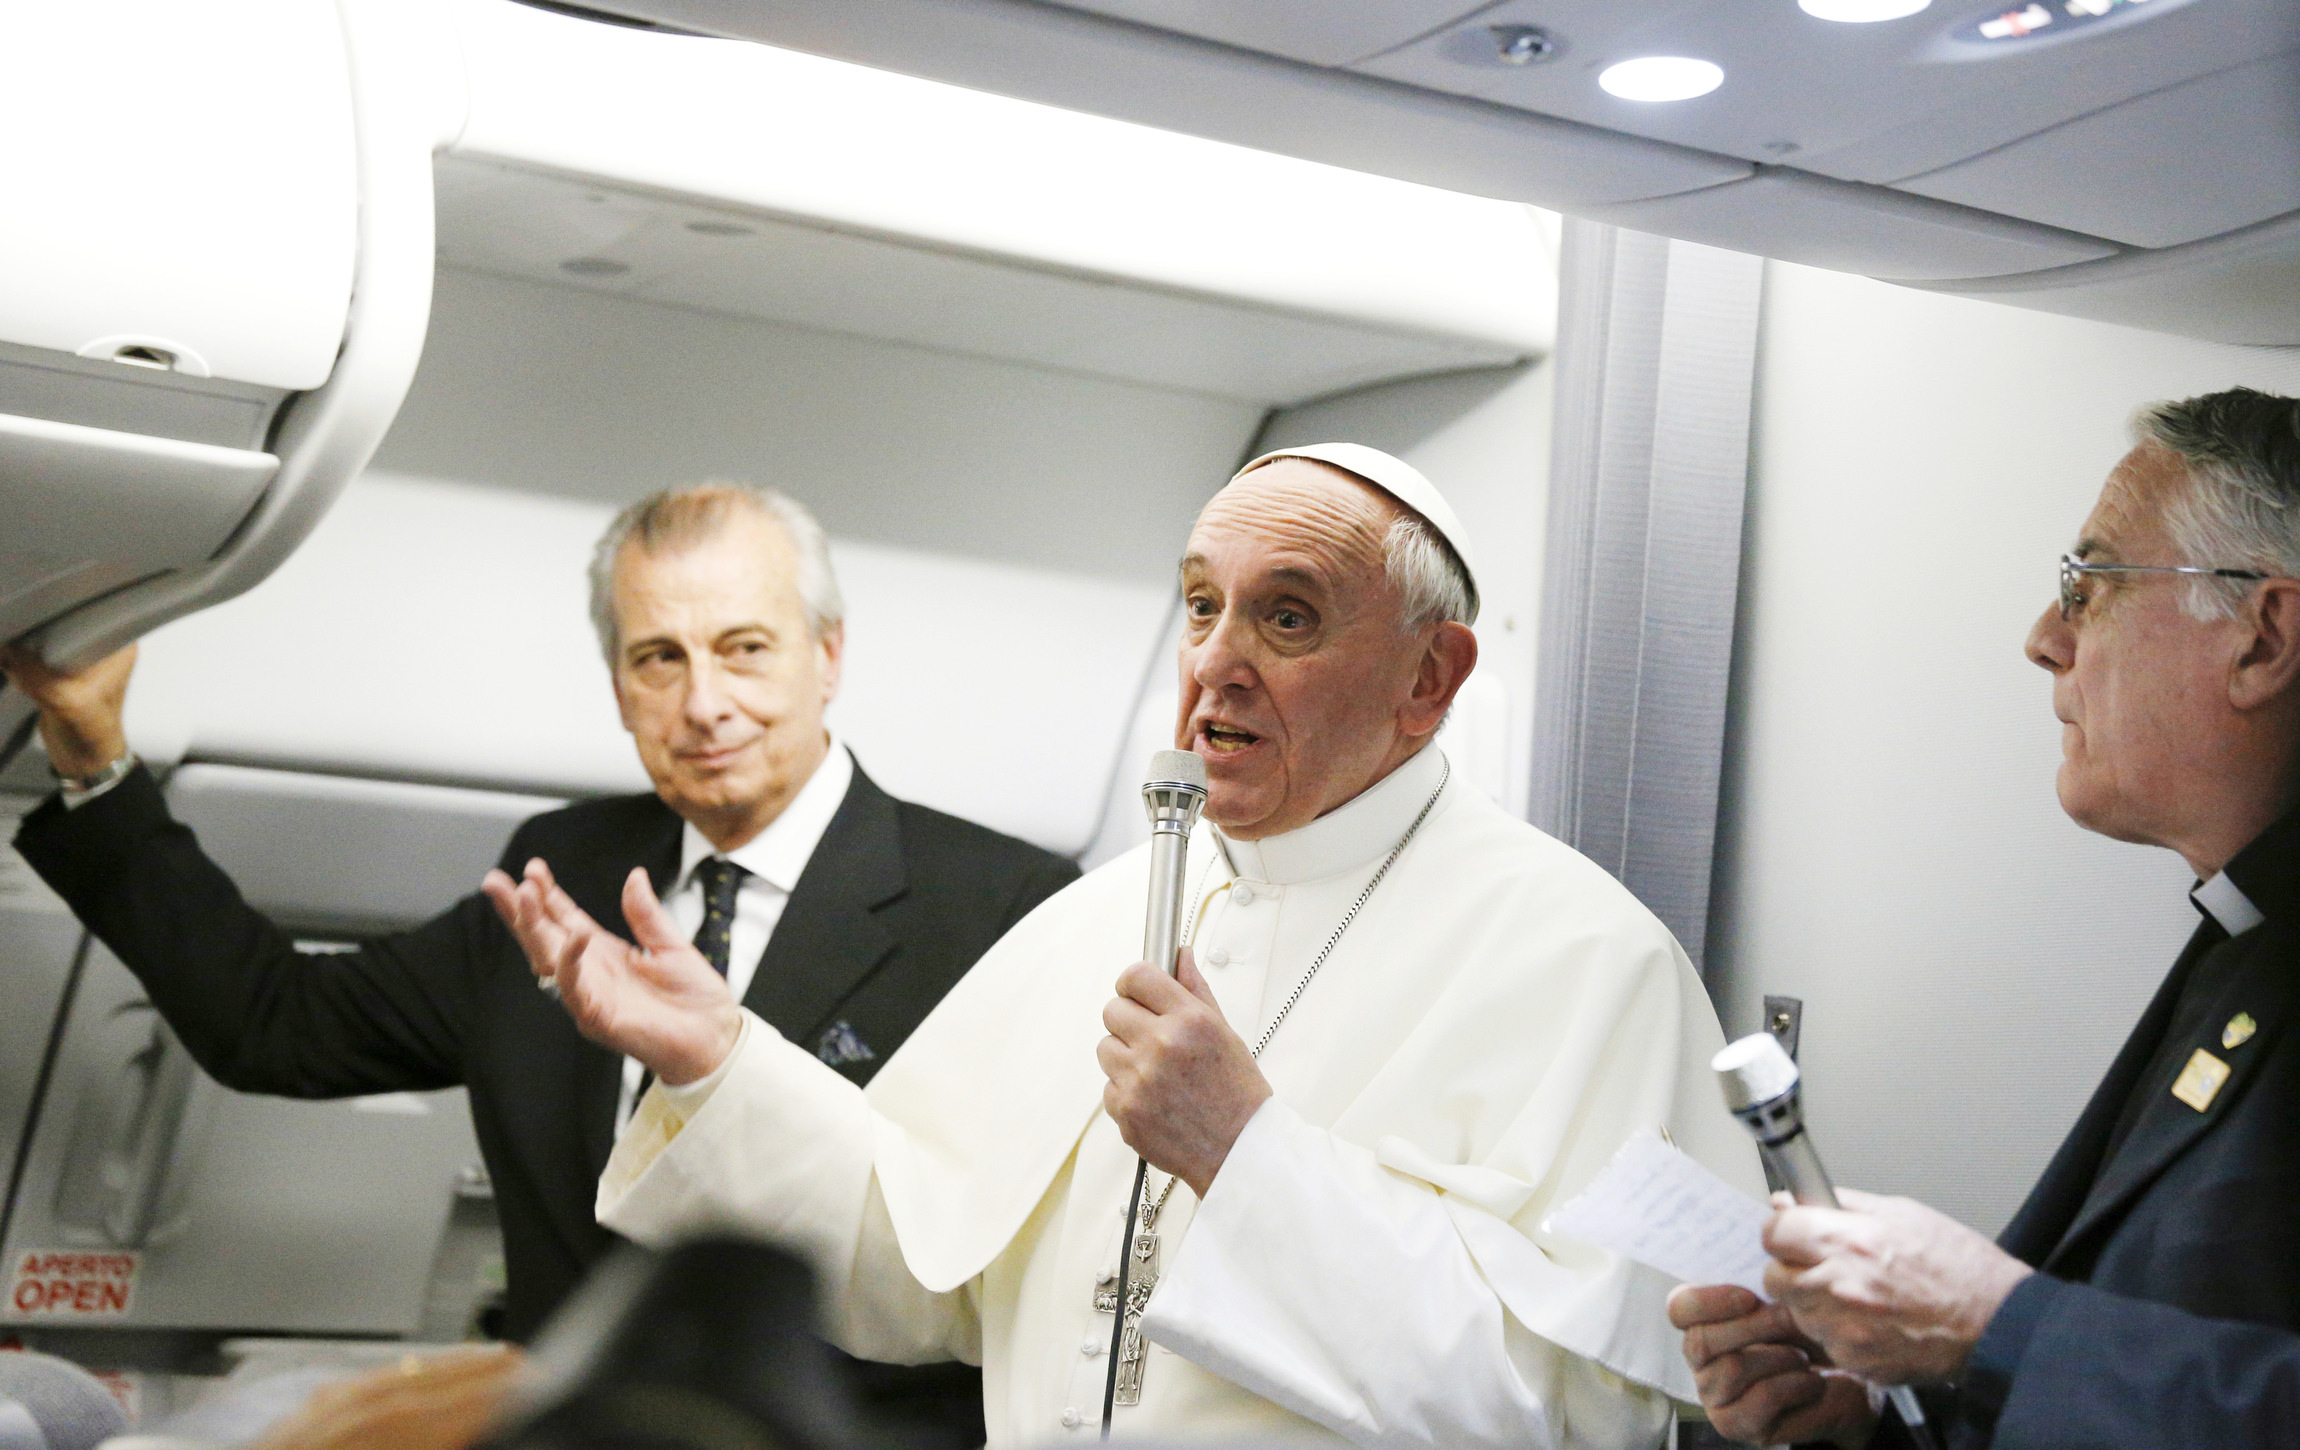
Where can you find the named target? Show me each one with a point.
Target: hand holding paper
(1659, 1207)
(1757, 1375)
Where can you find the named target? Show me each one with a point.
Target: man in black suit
(2148, 1293)
(840, 914)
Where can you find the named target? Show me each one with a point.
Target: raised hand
(660, 1001)
(1182, 1084)
(1761, 1381)
(80, 711)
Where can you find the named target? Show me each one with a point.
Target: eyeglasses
(2073, 569)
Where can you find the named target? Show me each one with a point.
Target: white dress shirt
(773, 861)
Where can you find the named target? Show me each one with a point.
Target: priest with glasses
(1405, 1025)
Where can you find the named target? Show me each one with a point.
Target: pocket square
(841, 1044)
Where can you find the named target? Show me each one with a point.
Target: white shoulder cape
(1504, 1016)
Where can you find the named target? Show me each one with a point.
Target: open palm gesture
(660, 1001)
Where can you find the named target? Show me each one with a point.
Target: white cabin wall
(1005, 535)
(576, 394)
(1483, 438)
(1890, 848)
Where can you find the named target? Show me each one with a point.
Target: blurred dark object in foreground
(48, 1403)
(709, 1346)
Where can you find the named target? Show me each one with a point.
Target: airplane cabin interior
(333, 332)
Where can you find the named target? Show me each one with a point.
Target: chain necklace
(1142, 1275)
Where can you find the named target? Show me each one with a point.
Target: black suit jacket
(893, 907)
(2168, 1294)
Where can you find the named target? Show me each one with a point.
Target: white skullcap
(1393, 476)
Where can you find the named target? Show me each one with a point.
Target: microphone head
(1174, 792)
(1754, 1071)
(70, 1406)
(1175, 769)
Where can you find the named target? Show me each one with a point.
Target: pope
(1405, 1026)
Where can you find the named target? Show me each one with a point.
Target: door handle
(116, 1172)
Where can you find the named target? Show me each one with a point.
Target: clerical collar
(2225, 902)
(778, 855)
(1355, 834)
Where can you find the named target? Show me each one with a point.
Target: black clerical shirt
(2158, 1202)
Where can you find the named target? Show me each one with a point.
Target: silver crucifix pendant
(1141, 1278)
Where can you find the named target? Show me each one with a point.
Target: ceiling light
(1522, 44)
(1661, 78)
(1861, 12)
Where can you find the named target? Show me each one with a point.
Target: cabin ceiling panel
(1875, 102)
(2191, 161)
(1317, 31)
(1870, 230)
(1088, 63)
(508, 221)
(2242, 288)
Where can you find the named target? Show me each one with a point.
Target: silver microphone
(1763, 1089)
(1761, 1085)
(1173, 794)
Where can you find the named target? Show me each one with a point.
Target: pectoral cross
(1141, 1278)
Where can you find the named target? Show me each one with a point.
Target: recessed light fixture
(1861, 12)
(594, 267)
(1661, 78)
(719, 229)
(1522, 44)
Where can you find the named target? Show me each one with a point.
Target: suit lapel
(2168, 1127)
(830, 938)
(2044, 1218)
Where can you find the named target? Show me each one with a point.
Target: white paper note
(1654, 1204)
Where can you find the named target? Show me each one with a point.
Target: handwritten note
(1654, 1204)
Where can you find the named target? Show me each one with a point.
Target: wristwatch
(83, 784)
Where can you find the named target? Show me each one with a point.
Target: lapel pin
(2239, 1030)
(2200, 1080)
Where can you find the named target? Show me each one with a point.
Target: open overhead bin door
(213, 290)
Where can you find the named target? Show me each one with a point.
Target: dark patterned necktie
(720, 879)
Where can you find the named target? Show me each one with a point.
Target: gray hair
(678, 518)
(1432, 583)
(2241, 509)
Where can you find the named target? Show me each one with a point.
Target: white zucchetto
(1393, 476)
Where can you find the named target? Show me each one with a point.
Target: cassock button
(1218, 956)
(1090, 1346)
(1071, 1419)
(1242, 894)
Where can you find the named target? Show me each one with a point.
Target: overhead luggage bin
(212, 294)
(764, 183)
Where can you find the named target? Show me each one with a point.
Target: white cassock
(1368, 1265)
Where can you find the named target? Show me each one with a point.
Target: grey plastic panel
(2178, 177)
(37, 383)
(38, 939)
(244, 1212)
(248, 1213)
(124, 498)
(329, 853)
(1309, 30)
(1847, 227)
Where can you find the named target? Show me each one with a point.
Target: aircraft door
(149, 1197)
